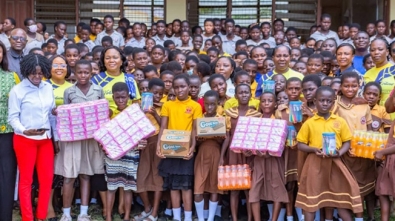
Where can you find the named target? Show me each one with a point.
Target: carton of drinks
(263, 135)
(175, 143)
(124, 132)
(80, 121)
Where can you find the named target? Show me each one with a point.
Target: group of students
(220, 72)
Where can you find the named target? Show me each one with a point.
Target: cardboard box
(175, 143)
(211, 127)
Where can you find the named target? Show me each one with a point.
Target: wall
(176, 9)
(392, 10)
(17, 9)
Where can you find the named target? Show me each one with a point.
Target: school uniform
(231, 118)
(206, 165)
(363, 169)
(133, 42)
(232, 102)
(268, 181)
(380, 118)
(301, 154)
(229, 45)
(117, 38)
(178, 173)
(386, 177)
(326, 182)
(84, 156)
(90, 44)
(122, 172)
(290, 154)
(147, 172)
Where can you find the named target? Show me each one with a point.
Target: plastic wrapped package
(123, 133)
(259, 135)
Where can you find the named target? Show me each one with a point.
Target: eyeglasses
(59, 65)
(16, 38)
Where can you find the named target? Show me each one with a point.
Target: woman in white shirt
(30, 105)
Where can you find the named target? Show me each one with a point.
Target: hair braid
(31, 61)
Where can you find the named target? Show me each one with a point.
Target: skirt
(386, 178)
(177, 173)
(206, 167)
(233, 158)
(301, 159)
(268, 182)
(147, 172)
(291, 164)
(79, 157)
(123, 172)
(364, 171)
(327, 182)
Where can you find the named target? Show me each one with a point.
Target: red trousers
(29, 154)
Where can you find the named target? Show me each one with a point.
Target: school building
(298, 13)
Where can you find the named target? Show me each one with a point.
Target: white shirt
(319, 36)
(30, 107)
(34, 43)
(386, 38)
(159, 41)
(5, 40)
(117, 39)
(229, 46)
(90, 44)
(136, 43)
(60, 44)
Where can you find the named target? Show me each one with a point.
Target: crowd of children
(345, 81)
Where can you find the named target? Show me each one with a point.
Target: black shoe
(217, 218)
(122, 215)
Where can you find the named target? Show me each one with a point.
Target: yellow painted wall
(392, 10)
(176, 9)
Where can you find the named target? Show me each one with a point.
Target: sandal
(150, 218)
(142, 215)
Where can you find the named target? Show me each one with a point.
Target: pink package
(259, 134)
(79, 121)
(122, 134)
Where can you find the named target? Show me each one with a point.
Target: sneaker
(84, 218)
(65, 218)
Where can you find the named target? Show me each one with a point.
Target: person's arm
(154, 114)
(163, 125)
(306, 148)
(224, 147)
(384, 152)
(14, 111)
(52, 120)
(193, 142)
(390, 103)
(343, 149)
(66, 99)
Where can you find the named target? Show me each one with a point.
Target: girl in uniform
(228, 157)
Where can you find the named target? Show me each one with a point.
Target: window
(146, 11)
(244, 12)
